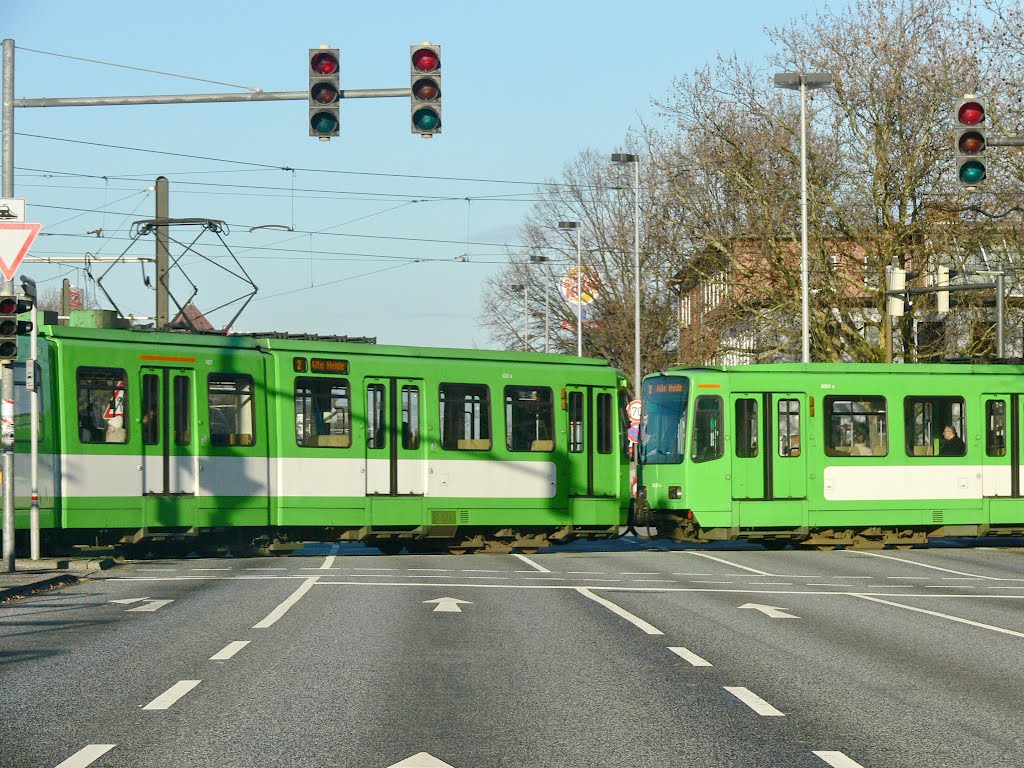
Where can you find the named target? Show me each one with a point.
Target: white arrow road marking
(152, 605)
(445, 605)
(86, 755)
(837, 760)
(128, 600)
(754, 701)
(771, 611)
(166, 699)
(421, 760)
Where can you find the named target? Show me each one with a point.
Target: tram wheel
(389, 547)
(527, 550)
(457, 550)
(825, 547)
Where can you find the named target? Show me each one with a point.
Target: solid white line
(943, 615)
(210, 569)
(229, 650)
(166, 699)
(328, 562)
(152, 605)
(280, 611)
(921, 565)
(754, 701)
(837, 760)
(86, 755)
(702, 581)
(636, 621)
(690, 656)
(530, 562)
(734, 565)
(639, 573)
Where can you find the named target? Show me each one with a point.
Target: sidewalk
(32, 576)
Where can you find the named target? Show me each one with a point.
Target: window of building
(232, 411)
(856, 426)
(789, 427)
(707, 429)
(927, 421)
(746, 428)
(102, 405)
(995, 427)
(465, 417)
(529, 419)
(323, 413)
(376, 432)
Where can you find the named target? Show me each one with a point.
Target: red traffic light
(970, 113)
(8, 305)
(426, 60)
(324, 63)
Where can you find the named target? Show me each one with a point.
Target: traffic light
(324, 92)
(897, 279)
(970, 142)
(8, 325)
(425, 80)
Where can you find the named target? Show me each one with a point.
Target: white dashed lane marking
(754, 701)
(87, 755)
(167, 699)
(229, 650)
(690, 656)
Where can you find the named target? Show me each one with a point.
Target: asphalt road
(580, 657)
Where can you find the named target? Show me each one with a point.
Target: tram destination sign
(319, 365)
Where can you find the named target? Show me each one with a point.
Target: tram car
(863, 455)
(269, 440)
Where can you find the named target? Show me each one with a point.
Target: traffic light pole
(997, 286)
(6, 373)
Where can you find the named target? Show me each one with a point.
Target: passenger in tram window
(115, 430)
(952, 445)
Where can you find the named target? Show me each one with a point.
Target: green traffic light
(323, 123)
(426, 119)
(972, 172)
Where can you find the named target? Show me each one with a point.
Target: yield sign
(15, 240)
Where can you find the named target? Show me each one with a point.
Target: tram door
(591, 450)
(1001, 457)
(169, 461)
(769, 464)
(395, 450)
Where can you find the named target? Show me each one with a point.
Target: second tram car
(834, 454)
(227, 440)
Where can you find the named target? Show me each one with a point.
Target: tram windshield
(663, 429)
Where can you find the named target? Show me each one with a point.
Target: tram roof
(994, 367)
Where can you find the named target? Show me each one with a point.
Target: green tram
(229, 440)
(833, 454)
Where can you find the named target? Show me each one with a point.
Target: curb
(43, 585)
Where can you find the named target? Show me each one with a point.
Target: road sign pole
(34, 546)
(7, 464)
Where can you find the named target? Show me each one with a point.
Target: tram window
(150, 409)
(746, 428)
(102, 405)
(323, 414)
(856, 426)
(925, 418)
(529, 419)
(376, 434)
(465, 417)
(707, 429)
(604, 423)
(232, 421)
(182, 410)
(575, 422)
(789, 427)
(663, 427)
(995, 427)
(410, 417)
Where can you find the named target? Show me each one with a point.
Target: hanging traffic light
(970, 142)
(324, 92)
(8, 325)
(425, 86)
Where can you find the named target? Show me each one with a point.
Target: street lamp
(525, 288)
(621, 158)
(535, 259)
(579, 284)
(803, 81)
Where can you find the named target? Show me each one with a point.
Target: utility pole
(162, 253)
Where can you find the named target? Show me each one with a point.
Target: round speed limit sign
(633, 411)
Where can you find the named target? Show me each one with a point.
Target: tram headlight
(675, 492)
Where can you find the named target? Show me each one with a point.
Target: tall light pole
(803, 81)
(525, 288)
(536, 259)
(621, 157)
(579, 284)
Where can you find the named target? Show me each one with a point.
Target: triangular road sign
(15, 240)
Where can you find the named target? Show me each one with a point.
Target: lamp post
(535, 259)
(803, 81)
(621, 157)
(525, 288)
(579, 284)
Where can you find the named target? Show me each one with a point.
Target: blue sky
(527, 86)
